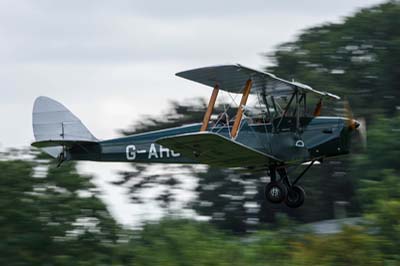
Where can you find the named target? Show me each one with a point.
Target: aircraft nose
(353, 124)
(360, 129)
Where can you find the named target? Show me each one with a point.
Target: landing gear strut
(284, 190)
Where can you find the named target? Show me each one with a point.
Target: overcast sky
(111, 61)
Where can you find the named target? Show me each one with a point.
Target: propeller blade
(362, 129)
(351, 122)
(359, 124)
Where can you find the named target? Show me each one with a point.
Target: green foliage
(356, 59)
(384, 223)
(383, 149)
(16, 220)
(352, 246)
(379, 186)
(52, 216)
(183, 242)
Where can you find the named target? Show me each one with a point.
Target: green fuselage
(317, 137)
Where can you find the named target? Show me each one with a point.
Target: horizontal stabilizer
(66, 143)
(216, 150)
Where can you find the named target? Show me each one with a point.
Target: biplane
(280, 133)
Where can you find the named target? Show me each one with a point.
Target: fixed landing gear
(61, 157)
(284, 190)
(275, 192)
(295, 197)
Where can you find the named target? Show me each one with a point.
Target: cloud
(138, 31)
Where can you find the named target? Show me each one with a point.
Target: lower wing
(216, 150)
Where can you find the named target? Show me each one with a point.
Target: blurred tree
(383, 149)
(379, 186)
(187, 242)
(384, 223)
(52, 216)
(356, 59)
(352, 246)
(184, 242)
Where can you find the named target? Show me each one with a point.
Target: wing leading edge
(232, 78)
(216, 150)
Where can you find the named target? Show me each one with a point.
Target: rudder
(52, 122)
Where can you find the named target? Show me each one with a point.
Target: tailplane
(55, 128)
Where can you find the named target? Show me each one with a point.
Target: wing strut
(243, 101)
(210, 108)
(318, 108)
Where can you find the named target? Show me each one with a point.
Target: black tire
(275, 192)
(295, 197)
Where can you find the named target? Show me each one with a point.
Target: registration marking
(154, 152)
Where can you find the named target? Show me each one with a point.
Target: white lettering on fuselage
(131, 152)
(175, 154)
(162, 150)
(153, 153)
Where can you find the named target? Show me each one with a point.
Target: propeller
(363, 131)
(353, 124)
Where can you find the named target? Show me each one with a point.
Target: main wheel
(295, 197)
(275, 192)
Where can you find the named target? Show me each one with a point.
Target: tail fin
(54, 126)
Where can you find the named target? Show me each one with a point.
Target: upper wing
(233, 77)
(216, 150)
